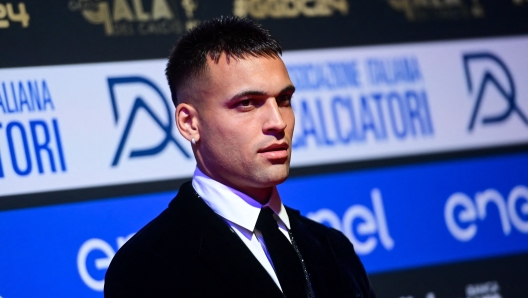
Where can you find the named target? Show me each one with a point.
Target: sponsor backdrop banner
(398, 218)
(67, 127)
(81, 31)
(404, 92)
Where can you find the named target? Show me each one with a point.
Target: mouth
(275, 151)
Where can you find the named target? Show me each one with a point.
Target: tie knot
(266, 221)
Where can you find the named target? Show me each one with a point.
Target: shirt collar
(234, 205)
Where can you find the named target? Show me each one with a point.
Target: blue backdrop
(397, 214)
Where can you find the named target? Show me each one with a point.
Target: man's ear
(188, 122)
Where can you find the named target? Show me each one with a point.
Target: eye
(245, 103)
(284, 100)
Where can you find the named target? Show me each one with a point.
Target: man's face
(246, 123)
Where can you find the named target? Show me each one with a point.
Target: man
(227, 234)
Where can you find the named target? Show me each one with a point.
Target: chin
(277, 175)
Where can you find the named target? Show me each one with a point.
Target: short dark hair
(234, 36)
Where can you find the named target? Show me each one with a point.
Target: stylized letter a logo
(141, 104)
(491, 74)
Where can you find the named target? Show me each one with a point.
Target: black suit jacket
(189, 251)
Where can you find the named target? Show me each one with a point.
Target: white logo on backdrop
(490, 289)
(460, 209)
(101, 264)
(372, 222)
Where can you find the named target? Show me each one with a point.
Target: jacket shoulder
(158, 255)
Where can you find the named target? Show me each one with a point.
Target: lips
(275, 151)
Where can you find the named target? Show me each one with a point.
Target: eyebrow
(289, 88)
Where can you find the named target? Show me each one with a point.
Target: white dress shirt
(241, 213)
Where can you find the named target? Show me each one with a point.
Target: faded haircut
(233, 36)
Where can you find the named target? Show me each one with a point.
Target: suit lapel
(316, 251)
(222, 251)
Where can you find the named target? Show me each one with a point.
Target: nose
(273, 118)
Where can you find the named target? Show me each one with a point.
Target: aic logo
(35, 144)
(382, 100)
(96, 246)
(368, 224)
(7, 10)
(461, 213)
(164, 122)
(125, 17)
(485, 72)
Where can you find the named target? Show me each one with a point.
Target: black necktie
(290, 270)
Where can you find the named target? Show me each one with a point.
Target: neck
(261, 195)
